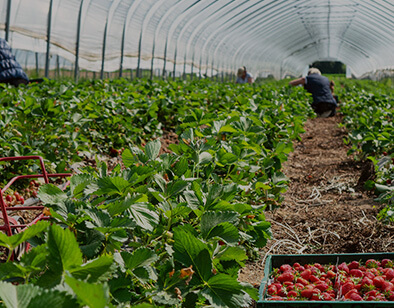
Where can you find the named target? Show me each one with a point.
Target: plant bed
(333, 275)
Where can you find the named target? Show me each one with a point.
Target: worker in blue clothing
(243, 76)
(324, 103)
(11, 71)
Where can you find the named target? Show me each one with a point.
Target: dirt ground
(325, 209)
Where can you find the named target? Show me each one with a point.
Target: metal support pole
(122, 51)
(139, 56)
(199, 71)
(212, 70)
(191, 73)
(173, 71)
(57, 66)
(37, 67)
(152, 60)
(103, 52)
(49, 26)
(7, 23)
(76, 71)
(184, 68)
(165, 60)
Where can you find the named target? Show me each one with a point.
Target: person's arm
(250, 80)
(297, 82)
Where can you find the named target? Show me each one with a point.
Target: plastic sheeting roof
(276, 37)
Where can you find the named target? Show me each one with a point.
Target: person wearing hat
(11, 71)
(243, 76)
(324, 103)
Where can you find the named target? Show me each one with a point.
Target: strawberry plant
(369, 119)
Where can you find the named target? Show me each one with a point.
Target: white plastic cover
(277, 37)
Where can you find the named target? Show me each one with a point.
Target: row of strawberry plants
(61, 121)
(171, 229)
(369, 118)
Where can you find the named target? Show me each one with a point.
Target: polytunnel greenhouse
(276, 38)
(196, 153)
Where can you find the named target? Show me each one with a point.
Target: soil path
(325, 208)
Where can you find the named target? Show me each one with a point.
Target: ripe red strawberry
(330, 274)
(313, 278)
(306, 274)
(356, 273)
(366, 282)
(372, 293)
(277, 285)
(299, 286)
(369, 275)
(316, 294)
(387, 286)
(275, 298)
(327, 296)
(372, 263)
(289, 285)
(8, 198)
(387, 263)
(307, 293)
(286, 276)
(354, 265)
(389, 272)
(378, 281)
(113, 152)
(272, 290)
(301, 268)
(322, 286)
(355, 297)
(292, 293)
(282, 293)
(285, 267)
(343, 267)
(346, 287)
(302, 281)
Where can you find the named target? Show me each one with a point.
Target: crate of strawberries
(330, 280)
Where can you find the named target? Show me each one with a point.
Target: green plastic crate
(274, 261)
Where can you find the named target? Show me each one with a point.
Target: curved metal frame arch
(173, 26)
(184, 29)
(108, 21)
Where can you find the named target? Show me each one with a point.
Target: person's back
(324, 103)
(319, 87)
(10, 70)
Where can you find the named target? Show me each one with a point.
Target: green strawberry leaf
(51, 194)
(224, 291)
(97, 270)
(210, 219)
(92, 295)
(11, 242)
(226, 231)
(152, 149)
(64, 250)
(189, 250)
(140, 257)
